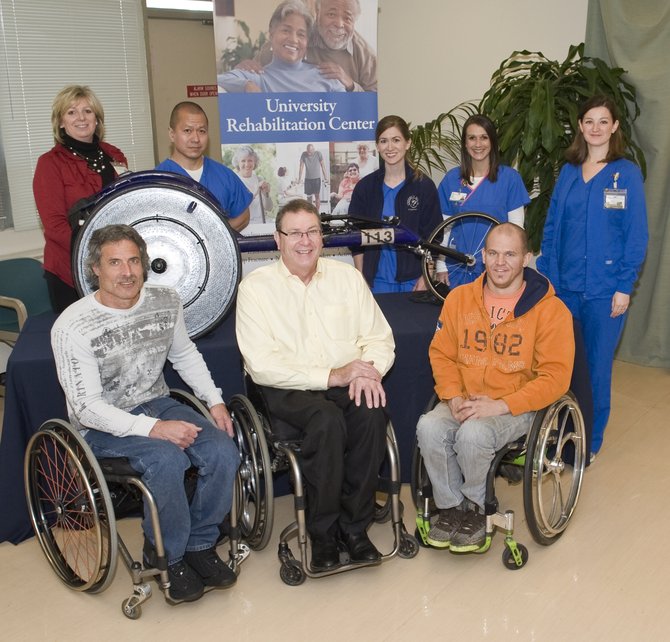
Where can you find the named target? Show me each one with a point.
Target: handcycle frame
(352, 231)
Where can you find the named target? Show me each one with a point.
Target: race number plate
(377, 236)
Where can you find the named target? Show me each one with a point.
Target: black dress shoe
(360, 548)
(325, 554)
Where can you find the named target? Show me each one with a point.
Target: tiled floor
(605, 579)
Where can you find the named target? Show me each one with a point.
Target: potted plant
(533, 102)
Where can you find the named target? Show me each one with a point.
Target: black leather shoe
(325, 554)
(360, 548)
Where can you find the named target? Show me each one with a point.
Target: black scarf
(96, 159)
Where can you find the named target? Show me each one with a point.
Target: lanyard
(472, 191)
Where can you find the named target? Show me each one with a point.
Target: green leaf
(534, 102)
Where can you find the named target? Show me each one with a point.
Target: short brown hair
(294, 206)
(512, 228)
(112, 234)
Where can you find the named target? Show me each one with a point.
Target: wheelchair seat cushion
(117, 466)
(284, 431)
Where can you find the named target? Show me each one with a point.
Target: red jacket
(526, 360)
(61, 179)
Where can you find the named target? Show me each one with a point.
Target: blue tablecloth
(33, 393)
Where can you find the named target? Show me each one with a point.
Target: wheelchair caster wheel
(409, 546)
(131, 612)
(510, 562)
(291, 573)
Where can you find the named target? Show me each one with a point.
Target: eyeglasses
(294, 235)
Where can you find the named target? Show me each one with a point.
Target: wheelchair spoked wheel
(456, 244)
(384, 498)
(256, 491)
(70, 507)
(554, 468)
(419, 477)
(420, 488)
(192, 402)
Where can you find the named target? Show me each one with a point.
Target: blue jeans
(162, 465)
(458, 456)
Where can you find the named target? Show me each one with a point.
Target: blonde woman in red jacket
(79, 165)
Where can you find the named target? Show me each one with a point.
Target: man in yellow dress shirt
(313, 338)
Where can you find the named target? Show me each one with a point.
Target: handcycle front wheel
(453, 251)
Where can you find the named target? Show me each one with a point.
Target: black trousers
(61, 294)
(342, 451)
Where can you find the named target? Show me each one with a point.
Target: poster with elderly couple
(297, 84)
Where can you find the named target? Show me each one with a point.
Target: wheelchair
(73, 515)
(270, 447)
(549, 461)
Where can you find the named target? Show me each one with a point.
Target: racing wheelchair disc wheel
(455, 247)
(70, 507)
(256, 491)
(554, 468)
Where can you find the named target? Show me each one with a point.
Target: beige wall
(435, 54)
(432, 53)
(181, 53)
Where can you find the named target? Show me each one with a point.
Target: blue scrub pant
(601, 337)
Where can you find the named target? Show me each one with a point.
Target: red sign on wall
(201, 91)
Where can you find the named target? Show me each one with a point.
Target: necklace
(96, 161)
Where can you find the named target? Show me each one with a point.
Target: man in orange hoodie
(503, 348)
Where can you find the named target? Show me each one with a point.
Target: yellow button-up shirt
(291, 335)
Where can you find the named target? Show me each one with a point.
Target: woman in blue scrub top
(395, 189)
(481, 184)
(594, 242)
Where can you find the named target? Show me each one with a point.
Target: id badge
(615, 199)
(119, 168)
(457, 197)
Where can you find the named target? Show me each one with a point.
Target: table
(33, 394)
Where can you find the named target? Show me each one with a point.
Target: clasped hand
(476, 407)
(363, 379)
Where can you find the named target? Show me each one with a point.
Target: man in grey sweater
(110, 349)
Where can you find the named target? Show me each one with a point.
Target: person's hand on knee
(180, 433)
(374, 393)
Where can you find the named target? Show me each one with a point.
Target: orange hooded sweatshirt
(526, 360)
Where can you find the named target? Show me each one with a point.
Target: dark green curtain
(635, 35)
